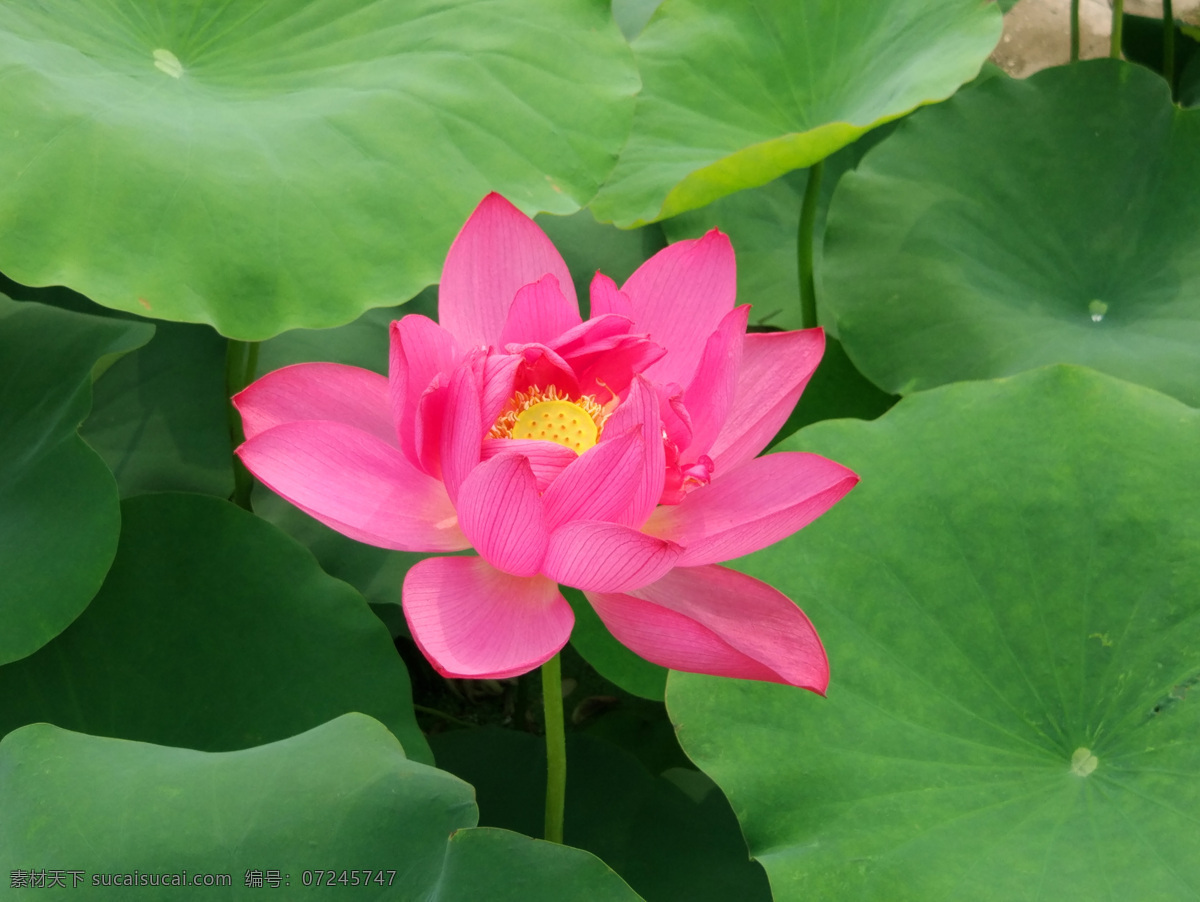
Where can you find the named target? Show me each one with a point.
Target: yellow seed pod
(562, 422)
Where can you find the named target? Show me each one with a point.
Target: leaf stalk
(556, 749)
(804, 246)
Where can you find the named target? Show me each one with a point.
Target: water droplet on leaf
(166, 61)
(1083, 762)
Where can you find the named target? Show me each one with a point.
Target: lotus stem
(556, 749)
(1118, 22)
(804, 246)
(241, 362)
(1074, 31)
(1169, 45)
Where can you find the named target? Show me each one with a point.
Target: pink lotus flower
(615, 455)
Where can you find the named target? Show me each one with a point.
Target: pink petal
(606, 368)
(355, 483)
(760, 502)
(581, 338)
(710, 395)
(420, 350)
(472, 621)
(546, 459)
(542, 367)
(599, 485)
(606, 298)
(606, 557)
(539, 313)
(501, 513)
(721, 622)
(499, 378)
(498, 251)
(318, 391)
(461, 431)
(775, 368)
(676, 420)
(640, 409)
(679, 297)
(427, 427)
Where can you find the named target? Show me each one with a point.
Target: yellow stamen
(552, 416)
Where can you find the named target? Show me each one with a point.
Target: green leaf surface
(1142, 42)
(378, 573)
(665, 844)
(213, 631)
(283, 166)
(837, 389)
(589, 247)
(762, 224)
(1024, 223)
(1010, 600)
(632, 15)
(736, 95)
(485, 863)
(1189, 83)
(328, 805)
(362, 343)
(59, 513)
(160, 415)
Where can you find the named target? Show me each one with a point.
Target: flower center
(548, 415)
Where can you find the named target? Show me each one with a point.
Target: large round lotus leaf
(160, 418)
(59, 513)
(213, 631)
(667, 845)
(1011, 604)
(337, 812)
(1024, 223)
(277, 165)
(737, 94)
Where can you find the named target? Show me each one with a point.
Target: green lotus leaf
(762, 224)
(736, 95)
(284, 166)
(213, 631)
(1010, 600)
(59, 510)
(588, 247)
(1024, 223)
(362, 343)
(837, 389)
(378, 573)
(160, 418)
(337, 811)
(1189, 82)
(632, 15)
(666, 844)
